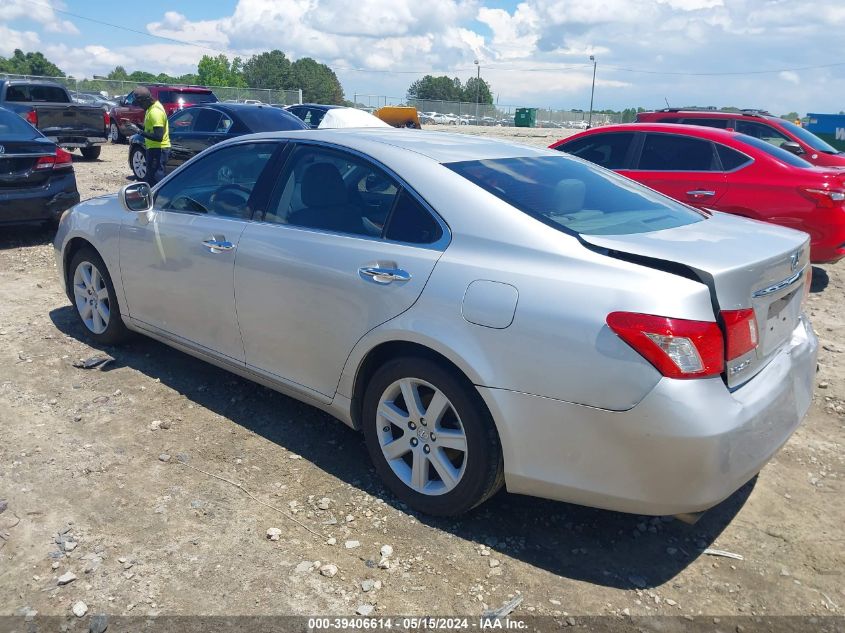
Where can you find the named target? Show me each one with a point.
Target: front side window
(608, 150)
(334, 191)
(670, 152)
(808, 137)
(575, 197)
(220, 184)
(775, 152)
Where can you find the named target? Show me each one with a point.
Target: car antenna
(666, 99)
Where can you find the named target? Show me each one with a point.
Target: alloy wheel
(139, 164)
(421, 436)
(91, 296)
(114, 133)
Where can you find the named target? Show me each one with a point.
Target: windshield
(263, 119)
(775, 152)
(575, 197)
(808, 137)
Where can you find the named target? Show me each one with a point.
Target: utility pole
(477, 89)
(593, 90)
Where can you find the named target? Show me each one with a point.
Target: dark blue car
(199, 127)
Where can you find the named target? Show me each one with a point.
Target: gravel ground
(149, 487)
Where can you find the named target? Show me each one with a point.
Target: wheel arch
(73, 246)
(383, 352)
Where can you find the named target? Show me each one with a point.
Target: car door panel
(174, 282)
(303, 303)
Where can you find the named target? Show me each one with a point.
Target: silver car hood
(746, 264)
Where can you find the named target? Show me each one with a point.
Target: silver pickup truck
(49, 107)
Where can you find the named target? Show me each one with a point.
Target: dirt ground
(119, 477)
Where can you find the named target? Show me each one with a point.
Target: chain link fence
(112, 89)
(468, 113)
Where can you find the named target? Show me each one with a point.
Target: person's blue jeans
(156, 161)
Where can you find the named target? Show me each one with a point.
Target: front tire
(138, 162)
(94, 298)
(431, 437)
(91, 153)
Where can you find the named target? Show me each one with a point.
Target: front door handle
(384, 275)
(218, 245)
(701, 193)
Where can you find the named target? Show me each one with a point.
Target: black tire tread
(116, 332)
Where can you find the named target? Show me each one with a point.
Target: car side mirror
(136, 197)
(792, 146)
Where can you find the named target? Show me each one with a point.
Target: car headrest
(569, 195)
(322, 186)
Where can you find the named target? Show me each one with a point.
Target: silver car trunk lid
(746, 265)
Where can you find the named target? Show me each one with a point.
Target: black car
(37, 182)
(199, 127)
(311, 113)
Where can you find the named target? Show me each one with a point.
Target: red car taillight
(106, 120)
(678, 348)
(740, 332)
(61, 160)
(32, 117)
(825, 198)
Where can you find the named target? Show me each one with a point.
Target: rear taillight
(678, 348)
(106, 120)
(32, 117)
(741, 334)
(825, 198)
(61, 160)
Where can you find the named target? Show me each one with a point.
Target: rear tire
(94, 298)
(444, 465)
(138, 162)
(114, 134)
(91, 153)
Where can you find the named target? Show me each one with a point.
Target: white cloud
(790, 76)
(10, 39)
(40, 12)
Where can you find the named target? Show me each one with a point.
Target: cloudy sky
(781, 55)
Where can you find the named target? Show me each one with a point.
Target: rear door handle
(218, 246)
(384, 275)
(701, 193)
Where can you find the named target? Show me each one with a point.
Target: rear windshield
(14, 128)
(576, 197)
(180, 97)
(263, 119)
(808, 137)
(28, 93)
(775, 152)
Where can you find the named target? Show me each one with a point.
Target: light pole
(477, 89)
(592, 90)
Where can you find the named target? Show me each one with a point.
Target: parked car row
(753, 176)
(486, 313)
(173, 98)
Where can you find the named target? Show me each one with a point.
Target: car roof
(320, 106)
(441, 147)
(713, 114)
(179, 88)
(711, 133)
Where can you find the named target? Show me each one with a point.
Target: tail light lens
(824, 198)
(678, 348)
(32, 117)
(106, 120)
(61, 160)
(740, 332)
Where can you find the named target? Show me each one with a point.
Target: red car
(762, 125)
(173, 98)
(724, 171)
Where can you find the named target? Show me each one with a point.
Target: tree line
(444, 88)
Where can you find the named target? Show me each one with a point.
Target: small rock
(329, 570)
(55, 564)
(3, 505)
(823, 385)
(155, 425)
(384, 563)
(164, 457)
(66, 578)
(303, 567)
(165, 424)
(493, 563)
(324, 503)
(69, 546)
(99, 623)
(554, 602)
(352, 544)
(671, 602)
(365, 609)
(368, 585)
(79, 609)
(784, 572)
(386, 551)
(274, 533)
(331, 541)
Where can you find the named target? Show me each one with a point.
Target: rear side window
(669, 152)
(411, 222)
(731, 159)
(575, 197)
(207, 120)
(717, 123)
(264, 119)
(607, 150)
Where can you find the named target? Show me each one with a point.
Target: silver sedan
(487, 314)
